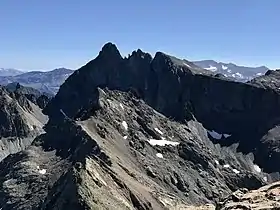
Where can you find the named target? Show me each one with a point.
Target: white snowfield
(211, 68)
(125, 125)
(159, 155)
(162, 142)
(218, 136)
(159, 131)
(257, 168)
(187, 65)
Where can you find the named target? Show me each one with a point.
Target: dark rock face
(173, 87)
(270, 80)
(22, 93)
(11, 122)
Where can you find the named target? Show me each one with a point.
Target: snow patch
(227, 135)
(111, 103)
(259, 74)
(121, 106)
(265, 179)
(215, 135)
(124, 124)
(125, 137)
(159, 155)
(162, 142)
(235, 171)
(211, 68)
(31, 127)
(159, 131)
(229, 71)
(43, 171)
(187, 65)
(257, 168)
(237, 75)
(224, 67)
(226, 166)
(217, 162)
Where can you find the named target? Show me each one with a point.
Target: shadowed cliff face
(178, 90)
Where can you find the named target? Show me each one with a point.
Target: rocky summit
(145, 132)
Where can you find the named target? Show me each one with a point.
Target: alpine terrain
(232, 71)
(144, 132)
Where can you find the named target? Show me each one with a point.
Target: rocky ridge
(144, 133)
(33, 95)
(21, 122)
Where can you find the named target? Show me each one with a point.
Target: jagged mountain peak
(110, 50)
(140, 54)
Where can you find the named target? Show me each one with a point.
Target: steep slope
(21, 122)
(45, 82)
(232, 71)
(144, 133)
(125, 156)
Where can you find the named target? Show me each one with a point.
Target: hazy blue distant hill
(48, 81)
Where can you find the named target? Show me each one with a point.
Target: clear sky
(45, 34)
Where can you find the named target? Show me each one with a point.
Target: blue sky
(41, 35)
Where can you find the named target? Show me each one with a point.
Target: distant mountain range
(233, 71)
(10, 72)
(46, 82)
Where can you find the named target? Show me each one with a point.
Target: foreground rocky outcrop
(145, 133)
(267, 197)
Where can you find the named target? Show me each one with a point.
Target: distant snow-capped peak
(230, 70)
